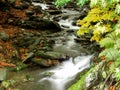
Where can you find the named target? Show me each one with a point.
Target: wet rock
(83, 38)
(29, 13)
(84, 11)
(52, 55)
(34, 45)
(29, 1)
(25, 5)
(48, 74)
(3, 74)
(12, 3)
(65, 26)
(45, 62)
(24, 41)
(54, 12)
(65, 17)
(4, 36)
(57, 18)
(57, 55)
(95, 76)
(36, 1)
(4, 6)
(40, 24)
(45, 55)
(30, 55)
(38, 9)
(74, 23)
(19, 66)
(79, 40)
(70, 31)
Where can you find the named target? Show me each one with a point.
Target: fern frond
(107, 43)
(110, 54)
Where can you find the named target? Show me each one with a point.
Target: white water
(68, 23)
(44, 6)
(69, 12)
(66, 72)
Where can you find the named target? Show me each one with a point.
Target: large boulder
(45, 62)
(52, 55)
(39, 23)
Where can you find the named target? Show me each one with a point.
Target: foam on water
(67, 71)
(44, 6)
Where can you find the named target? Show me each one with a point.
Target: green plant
(111, 43)
(100, 20)
(60, 3)
(103, 21)
(7, 83)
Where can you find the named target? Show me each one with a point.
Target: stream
(60, 76)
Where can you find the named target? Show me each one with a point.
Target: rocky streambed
(43, 38)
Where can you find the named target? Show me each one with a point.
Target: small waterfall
(67, 24)
(66, 72)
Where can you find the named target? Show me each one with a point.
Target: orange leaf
(112, 88)
(102, 57)
(110, 62)
(3, 64)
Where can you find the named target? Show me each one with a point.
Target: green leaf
(104, 74)
(59, 3)
(117, 44)
(81, 2)
(107, 43)
(115, 64)
(117, 74)
(110, 54)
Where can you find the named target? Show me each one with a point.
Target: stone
(45, 62)
(54, 12)
(38, 9)
(22, 6)
(95, 77)
(4, 36)
(48, 74)
(37, 1)
(30, 55)
(52, 55)
(40, 24)
(29, 13)
(29, 1)
(3, 74)
(41, 62)
(4, 6)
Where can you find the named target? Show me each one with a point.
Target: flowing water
(65, 72)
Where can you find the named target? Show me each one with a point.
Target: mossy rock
(48, 74)
(41, 62)
(48, 55)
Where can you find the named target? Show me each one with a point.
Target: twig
(106, 80)
(111, 83)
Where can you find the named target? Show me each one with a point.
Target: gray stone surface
(3, 74)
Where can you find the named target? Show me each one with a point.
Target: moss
(79, 85)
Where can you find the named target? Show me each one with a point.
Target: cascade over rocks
(32, 33)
